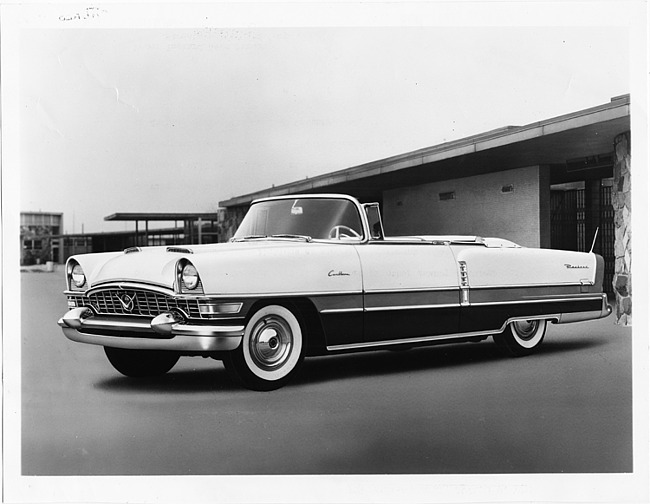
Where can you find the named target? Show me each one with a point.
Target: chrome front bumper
(167, 331)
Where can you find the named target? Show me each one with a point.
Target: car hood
(233, 268)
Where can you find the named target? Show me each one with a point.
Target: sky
(161, 119)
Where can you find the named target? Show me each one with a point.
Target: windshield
(317, 218)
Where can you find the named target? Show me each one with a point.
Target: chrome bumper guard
(169, 331)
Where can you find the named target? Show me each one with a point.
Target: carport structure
(550, 183)
(574, 146)
(197, 227)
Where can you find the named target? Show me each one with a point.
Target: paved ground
(441, 410)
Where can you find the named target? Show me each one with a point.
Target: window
(374, 221)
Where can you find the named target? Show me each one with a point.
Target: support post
(621, 201)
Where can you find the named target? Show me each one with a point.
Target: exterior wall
(512, 204)
(36, 243)
(621, 201)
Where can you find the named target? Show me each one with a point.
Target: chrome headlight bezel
(76, 276)
(188, 280)
(189, 277)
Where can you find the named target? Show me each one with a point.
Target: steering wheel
(338, 232)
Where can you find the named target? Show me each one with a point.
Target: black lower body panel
(493, 317)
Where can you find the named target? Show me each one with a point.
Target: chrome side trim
(440, 337)
(456, 305)
(526, 286)
(386, 308)
(279, 294)
(410, 307)
(562, 297)
(421, 289)
(341, 310)
(532, 301)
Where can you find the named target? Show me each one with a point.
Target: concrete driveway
(456, 409)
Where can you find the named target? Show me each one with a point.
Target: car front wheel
(141, 363)
(271, 350)
(521, 337)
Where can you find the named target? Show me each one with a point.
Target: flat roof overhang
(111, 234)
(551, 142)
(126, 216)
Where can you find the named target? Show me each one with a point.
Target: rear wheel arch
(521, 337)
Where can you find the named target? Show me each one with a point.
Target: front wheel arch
(272, 348)
(308, 316)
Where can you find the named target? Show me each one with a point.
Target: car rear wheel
(521, 337)
(141, 363)
(271, 350)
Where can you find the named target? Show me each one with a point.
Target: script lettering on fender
(573, 266)
(333, 273)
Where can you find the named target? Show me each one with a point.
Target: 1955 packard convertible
(308, 275)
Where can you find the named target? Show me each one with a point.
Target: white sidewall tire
(521, 337)
(528, 341)
(279, 315)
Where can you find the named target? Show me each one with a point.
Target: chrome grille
(137, 302)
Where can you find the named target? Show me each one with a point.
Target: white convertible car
(311, 275)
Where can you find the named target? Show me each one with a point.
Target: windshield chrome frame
(360, 210)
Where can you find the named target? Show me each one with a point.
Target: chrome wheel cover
(271, 343)
(525, 329)
(528, 333)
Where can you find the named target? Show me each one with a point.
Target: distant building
(188, 228)
(39, 237)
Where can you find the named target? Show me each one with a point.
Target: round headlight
(77, 275)
(190, 277)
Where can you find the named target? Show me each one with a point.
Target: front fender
(280, 269)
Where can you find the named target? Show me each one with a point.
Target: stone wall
(621, 201)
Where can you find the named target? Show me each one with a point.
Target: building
(551, 183)
(39, 237)
(193, 228)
